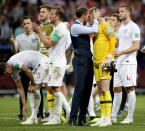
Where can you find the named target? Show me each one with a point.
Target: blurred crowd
(12, 12)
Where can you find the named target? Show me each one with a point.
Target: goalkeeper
(104, 44)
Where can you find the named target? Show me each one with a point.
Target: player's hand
(37, 36)
(12, 40)
(143, 51)
(24, 110)
(96, 14)
(31, 88)
(117, 54)
(107, 62)
(37, 28)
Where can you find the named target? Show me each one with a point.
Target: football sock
(91, 107)
(70, 102)
(131, 104)
(116, 104)
(58, 101)
(97, 98)
(102, 104)
(34, 100)
(66, 105)
(108, 104)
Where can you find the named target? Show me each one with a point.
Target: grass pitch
(9, 109)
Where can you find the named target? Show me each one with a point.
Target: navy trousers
(83, 73)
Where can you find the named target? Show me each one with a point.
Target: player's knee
(56, 89)
(117, 89)
(104, 89)
(48, 88)
(129, 89)
(37, 87)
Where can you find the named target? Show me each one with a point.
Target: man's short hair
(46, 6)
(80, 11)
(59, 11)
(28, 17)
(128, 8)
(92, 9)
(117, 16)
(2, 68)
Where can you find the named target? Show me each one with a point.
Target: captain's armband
(55, 36)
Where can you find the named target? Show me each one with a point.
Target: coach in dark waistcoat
(82, 65)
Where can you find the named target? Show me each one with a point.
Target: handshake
(111, 67)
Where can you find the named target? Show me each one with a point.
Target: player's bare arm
(48, 42)
(21, 93)
(13, 47)
(70, 68)
(133, 48)
(29, 74)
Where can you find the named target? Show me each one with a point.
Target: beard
(123, 18)
(84, 23)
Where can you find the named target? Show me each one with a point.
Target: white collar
(79, 22)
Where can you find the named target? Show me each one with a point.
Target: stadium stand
(12, 11)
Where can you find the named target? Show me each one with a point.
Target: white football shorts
(41, 72)
(56, 75)
(126, 75)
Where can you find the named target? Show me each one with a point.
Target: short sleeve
(135, 33)
(107, 29)
(15, 65)
(17, 42)
(18, 65)
(56, 35)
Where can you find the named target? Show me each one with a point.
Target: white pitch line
(7, 118)
(2, 113)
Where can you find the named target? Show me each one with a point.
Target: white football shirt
(57, 52)
(127, 34)
(24, 42)
(31, 59)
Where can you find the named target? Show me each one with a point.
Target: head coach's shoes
(82, 124)
(73, 123)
